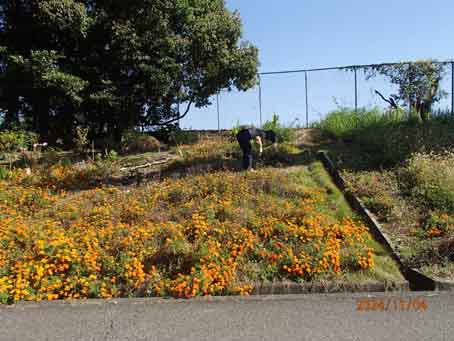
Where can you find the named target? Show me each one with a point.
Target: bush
(438, 224)
(134, 142)
(5, 174)
(112, 156)
(174, 135)
(14, 141)
(430, 179)
(81, 139)
(283, 134)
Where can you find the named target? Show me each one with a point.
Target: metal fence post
(260, 100)
(409, 90)
(217, 108)
(307, 103)
(356, 89)
(452, 88)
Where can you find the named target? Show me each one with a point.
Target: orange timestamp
(392, 304)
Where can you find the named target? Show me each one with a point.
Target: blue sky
(292, 34)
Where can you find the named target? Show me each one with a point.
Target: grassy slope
(409, 193)
(385, 269)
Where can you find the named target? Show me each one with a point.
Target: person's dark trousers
(244, 139)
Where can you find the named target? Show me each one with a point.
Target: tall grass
(346, 123)
(390, 137)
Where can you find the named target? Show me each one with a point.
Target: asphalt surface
(380, 316)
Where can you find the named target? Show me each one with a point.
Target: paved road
(406, 316)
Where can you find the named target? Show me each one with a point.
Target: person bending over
(244, 138)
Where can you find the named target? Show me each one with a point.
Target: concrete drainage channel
(417, 280)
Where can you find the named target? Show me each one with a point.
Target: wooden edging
(149, 164)
(417, 280)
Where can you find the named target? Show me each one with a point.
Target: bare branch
(179, 116)
(390, 101)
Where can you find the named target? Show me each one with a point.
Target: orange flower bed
(205, 235)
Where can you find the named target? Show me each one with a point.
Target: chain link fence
(302, 97)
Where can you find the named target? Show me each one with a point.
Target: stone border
(418, 281)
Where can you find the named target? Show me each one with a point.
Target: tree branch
(391, 101)
(179, 116)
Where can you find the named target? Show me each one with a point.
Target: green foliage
(14, 141)
(81, 141)
(441, 221)
(386, 139)
(346, 123)
(66, 16)
(5, 174)
(112, 156)
(283, 133)
(11, 141)
(283, 153)
(418, 83)
(429, 178)
(112, 65)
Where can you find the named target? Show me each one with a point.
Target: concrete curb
(417, 280)
(291, 288)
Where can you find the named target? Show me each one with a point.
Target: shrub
(112, 156)
(14, 141)
(283, 133)
(174, 135)
(81, 139)
(134, 142)
(439, 223)
(430, 179)
(5, 173)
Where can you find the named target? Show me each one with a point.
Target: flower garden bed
(212, 234)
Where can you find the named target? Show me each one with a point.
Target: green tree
(40, 44)
(418, 83)
(112, 65)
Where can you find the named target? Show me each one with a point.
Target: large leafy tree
(113, 64)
